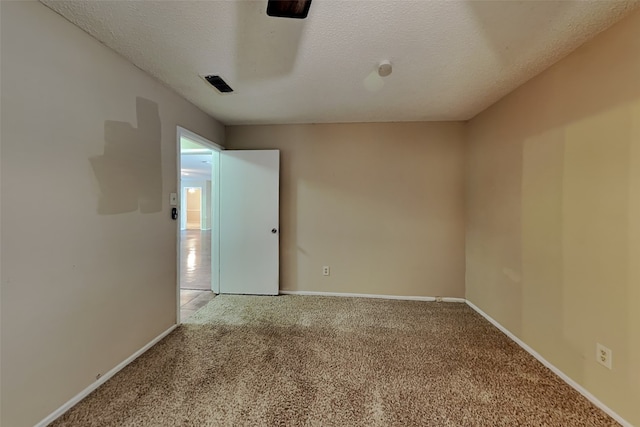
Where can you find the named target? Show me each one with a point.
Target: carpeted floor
(318, 361)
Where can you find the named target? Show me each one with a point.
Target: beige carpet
(315, 361)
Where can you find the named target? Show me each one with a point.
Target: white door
(249, 221)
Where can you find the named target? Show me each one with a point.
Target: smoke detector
(384, 68)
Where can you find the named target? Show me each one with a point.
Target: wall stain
(129, 172)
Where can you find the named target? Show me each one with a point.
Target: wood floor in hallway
(195, 271)
(195, 259)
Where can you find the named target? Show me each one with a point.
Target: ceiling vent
(298, 9)
(218, 83)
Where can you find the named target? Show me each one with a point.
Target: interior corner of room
(527, 210)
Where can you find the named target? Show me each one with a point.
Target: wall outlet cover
(604, 356)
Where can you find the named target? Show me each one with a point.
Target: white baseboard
(553, 369)
(84, 393)
(351, 295)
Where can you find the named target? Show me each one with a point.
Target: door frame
(215, 205)
(184, 197)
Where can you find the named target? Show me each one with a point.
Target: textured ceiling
(451, 59)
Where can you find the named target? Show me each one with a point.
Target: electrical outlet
(604, 356)
(325, 270)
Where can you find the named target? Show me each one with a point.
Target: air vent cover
(298, 9)
(218, 83)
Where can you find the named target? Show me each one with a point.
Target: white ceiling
(195, 166)
(451, 59)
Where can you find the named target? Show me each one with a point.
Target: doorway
(239, 209)
(197, 230)
(192, 198)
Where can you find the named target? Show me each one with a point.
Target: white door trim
(186, 133)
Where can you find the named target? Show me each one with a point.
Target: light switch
(173, 199)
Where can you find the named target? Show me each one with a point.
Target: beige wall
(381, 204)
(83, 287)
(553, 214)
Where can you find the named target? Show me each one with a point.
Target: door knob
(274, 230)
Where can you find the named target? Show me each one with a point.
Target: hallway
(195, 271)
(195, 268)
